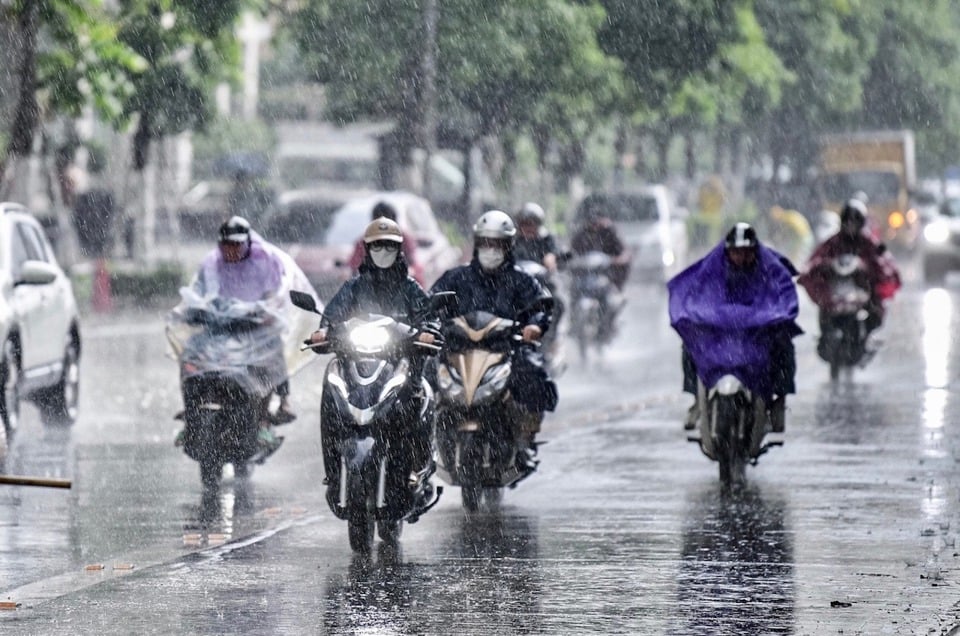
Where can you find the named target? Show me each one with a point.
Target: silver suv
(39, 325)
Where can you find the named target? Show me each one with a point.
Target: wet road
(850, 528)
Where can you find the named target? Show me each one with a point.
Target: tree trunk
(27, 115)
(662, 142)
(690, 155)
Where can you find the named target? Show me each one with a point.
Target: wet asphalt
(850, 528)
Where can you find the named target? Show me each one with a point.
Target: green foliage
(145, 286)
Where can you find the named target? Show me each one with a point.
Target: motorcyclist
(757, 296)
(852, 238)
(534, 242)
(384, 210)
(490, 282)
(599, 234)
(245, 267)
(382, 287)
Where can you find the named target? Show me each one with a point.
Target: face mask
(490, 257)
(383, 258)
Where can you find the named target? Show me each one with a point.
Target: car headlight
(369, 338)
(936, 233)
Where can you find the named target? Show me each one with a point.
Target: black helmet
(854, 210)
(236, 229)
(741, 235)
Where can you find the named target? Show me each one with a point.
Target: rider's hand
(318, 337)
(532, 333)
(426, 338)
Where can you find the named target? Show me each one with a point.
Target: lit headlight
(936, 233)
(369, 338)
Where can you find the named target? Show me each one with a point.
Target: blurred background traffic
(132, 129)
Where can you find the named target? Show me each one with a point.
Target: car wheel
(10, 373)
(58, 404)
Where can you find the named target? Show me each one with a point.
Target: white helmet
(495, 224)
(532, 211)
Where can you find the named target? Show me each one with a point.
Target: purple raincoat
(254, 278)
(730, 320)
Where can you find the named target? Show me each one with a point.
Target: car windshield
(881, 187)
(951, 208)
(302, 223)
(348, 224)
(622, 208)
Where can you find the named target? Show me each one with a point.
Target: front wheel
(472, 497)
(731, 449)
(360, 520)
(58, 405)
(390, 531)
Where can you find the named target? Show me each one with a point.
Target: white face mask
(490, 257)
(383, 258)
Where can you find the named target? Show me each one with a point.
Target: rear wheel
(10, 370)
(58, 405)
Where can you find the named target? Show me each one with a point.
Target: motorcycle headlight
(369, 338)
(936, 233)
(447, 383)
(494, 381)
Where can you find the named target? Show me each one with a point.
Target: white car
(940, 242)
(39, 325)
(651, 226)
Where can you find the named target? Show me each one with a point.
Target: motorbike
(230, 354)
(552, 342)
(590, 289)
(479, 424)
(367, 425)
(732, 428)
(843, 340)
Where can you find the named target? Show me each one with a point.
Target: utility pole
(429, 90)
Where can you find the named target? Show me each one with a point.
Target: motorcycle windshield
(235, 339)
(729, 321)
(479, 330)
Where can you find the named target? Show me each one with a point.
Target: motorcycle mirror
(304, 301)
(443, 300)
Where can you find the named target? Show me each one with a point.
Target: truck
(878, 166)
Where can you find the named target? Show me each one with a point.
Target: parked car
(940, 242)
(322, 244)
(650, 224)
(39, 324)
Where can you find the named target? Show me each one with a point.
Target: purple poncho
(729, 319)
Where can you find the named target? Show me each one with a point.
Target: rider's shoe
(267, 444)
(179, 439)
(693, 417)
(284, 414)
(778, 414)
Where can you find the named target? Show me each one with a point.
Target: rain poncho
(734, 321)
(266, 276)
